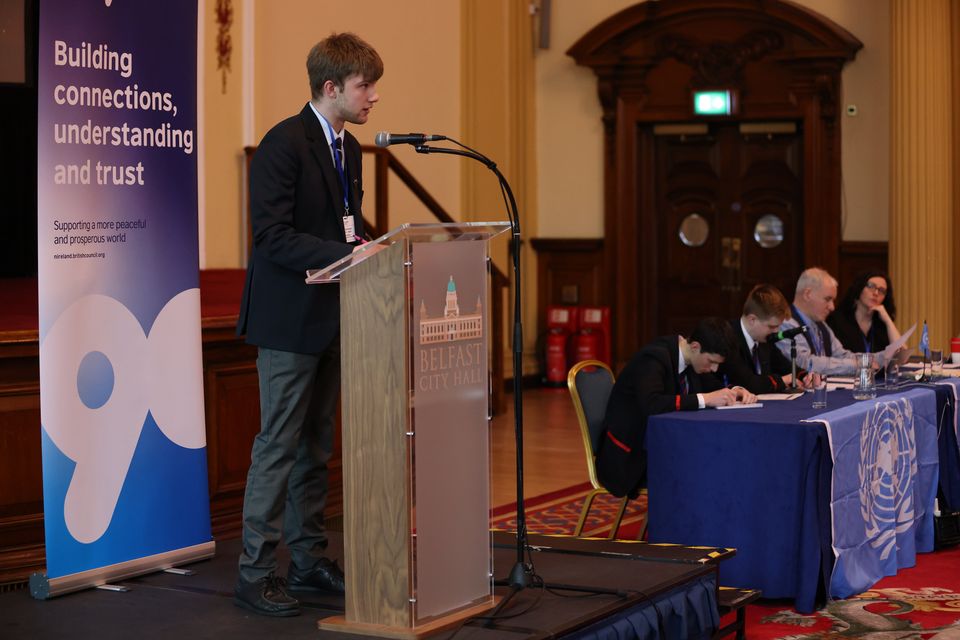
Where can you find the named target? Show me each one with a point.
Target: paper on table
(896, 344)
(751, 405)
(778, 396)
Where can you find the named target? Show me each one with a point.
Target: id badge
(348, 229)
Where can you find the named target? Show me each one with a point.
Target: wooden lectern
(415, 354)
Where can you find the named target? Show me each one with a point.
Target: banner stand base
(43, 588)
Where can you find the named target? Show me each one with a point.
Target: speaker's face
(354, 102)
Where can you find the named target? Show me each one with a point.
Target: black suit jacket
(845, 327)
(739, 366)
(648, 385)
(296, 211)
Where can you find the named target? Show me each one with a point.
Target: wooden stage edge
(443, 623)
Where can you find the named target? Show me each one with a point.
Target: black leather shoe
(326, 576)
(267, 596)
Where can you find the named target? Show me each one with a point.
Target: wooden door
(729, 212)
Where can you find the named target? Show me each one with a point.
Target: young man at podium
(305, 193)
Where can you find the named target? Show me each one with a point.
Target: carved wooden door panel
(729, 215)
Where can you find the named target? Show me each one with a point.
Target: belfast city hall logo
(451, 325)
(450, 352)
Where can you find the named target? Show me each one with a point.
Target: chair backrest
(590, 383)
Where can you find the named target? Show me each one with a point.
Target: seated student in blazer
(754, 363)
(672, 373)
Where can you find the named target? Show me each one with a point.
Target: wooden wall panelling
(856, 257)
(21, 485)
(568, 267)
(231, 396)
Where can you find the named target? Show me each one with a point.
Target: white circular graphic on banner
(888, 464)
(99, 376)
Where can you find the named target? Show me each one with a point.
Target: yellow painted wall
(462, 68)
(866, 136)
(221, 156)
(569, 131)
(419, 41)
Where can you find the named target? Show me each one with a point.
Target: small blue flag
(925, 341)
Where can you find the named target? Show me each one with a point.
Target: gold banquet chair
(590, 383)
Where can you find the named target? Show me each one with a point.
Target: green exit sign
(713, 103)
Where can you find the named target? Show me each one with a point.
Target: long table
(762, 481)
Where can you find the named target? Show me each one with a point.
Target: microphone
(787, 333)
(385, 139)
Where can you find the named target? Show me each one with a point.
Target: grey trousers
(287, 481)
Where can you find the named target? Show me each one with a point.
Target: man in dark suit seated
(672, 373)
(754, 363)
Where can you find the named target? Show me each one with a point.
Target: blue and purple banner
(124, 445)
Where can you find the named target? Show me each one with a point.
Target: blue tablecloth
(883, 486)
(758, 480)
(949, 444)
(688, 612)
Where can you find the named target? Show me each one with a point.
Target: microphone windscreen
(382, 139)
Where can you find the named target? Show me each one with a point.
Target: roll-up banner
(121, 393)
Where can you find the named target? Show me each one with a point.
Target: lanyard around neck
(339, 162)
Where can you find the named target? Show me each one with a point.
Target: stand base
(340, 624)
(519, 576)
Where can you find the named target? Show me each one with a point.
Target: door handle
(730, 264)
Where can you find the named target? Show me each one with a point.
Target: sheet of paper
(752, 405)
(778, 396)
(896, 344)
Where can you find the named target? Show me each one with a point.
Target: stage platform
(680, 581)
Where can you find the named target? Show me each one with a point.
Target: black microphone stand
(792, 334)
(521, 574)
(923, 371)
(793, 388)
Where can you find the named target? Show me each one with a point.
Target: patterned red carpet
(558, 512)
(920, 603)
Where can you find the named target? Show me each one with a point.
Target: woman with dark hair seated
(863, 321)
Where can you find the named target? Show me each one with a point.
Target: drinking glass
(863, 385)
(936, 362)
(820, 394)
(891, 374)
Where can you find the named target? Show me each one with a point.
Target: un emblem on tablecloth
(888, 464)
